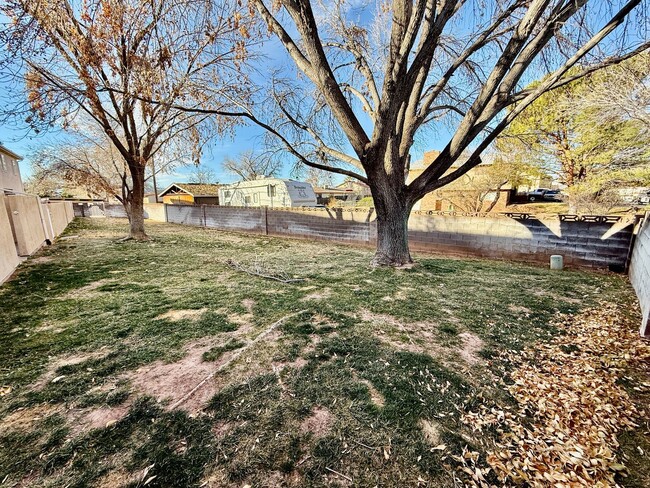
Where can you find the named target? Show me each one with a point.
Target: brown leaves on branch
(571, 405)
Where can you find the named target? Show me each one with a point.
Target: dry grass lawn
(161, 364)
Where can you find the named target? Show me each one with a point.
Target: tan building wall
(155, 212)
(10, 172)
(178, 198)
(8, 255)
(27, 227)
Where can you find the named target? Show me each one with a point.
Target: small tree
(104, 57)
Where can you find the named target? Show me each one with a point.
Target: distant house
(467, 191)
(325, 196)
(268, 192)
(192, 193)
(358, 187)
(10, 181)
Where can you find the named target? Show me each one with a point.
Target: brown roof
(195, 189)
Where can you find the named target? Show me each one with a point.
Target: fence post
(165, 212)
(266, 220)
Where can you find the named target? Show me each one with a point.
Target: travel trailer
(268, 192)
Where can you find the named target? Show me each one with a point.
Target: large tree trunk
(134, 205)
(392, 230)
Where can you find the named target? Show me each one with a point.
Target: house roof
(194, 189)
(334, 191)
(10, 153)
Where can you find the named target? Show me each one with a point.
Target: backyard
(207, 358)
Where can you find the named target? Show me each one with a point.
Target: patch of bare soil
(248, 304)
(416, 337)
(317, 295)
(318, 423)
(24, 418)
(87, 291)
(472, 345)
(170, 382)
(375, 396)
(431, 431)
(84, 419)
(176, 315)
(119, 477)
(58, 362)
(41, 260)
(519, 309)
(555, 296)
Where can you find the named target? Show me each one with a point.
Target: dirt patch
(375, 396)
(416, 337)
(25, 418)
(87, 291)
(41, 260)
(519, 309)
(431, 431)
(318, 423)
(56, 363)
(169, 382)
(317, 295)
(248, 304)
(472, 345)
(555, 296)
(82, 420)
(297, 363)
(176, 315)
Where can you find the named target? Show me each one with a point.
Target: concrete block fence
(592, 242)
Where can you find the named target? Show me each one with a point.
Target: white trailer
(268, 192)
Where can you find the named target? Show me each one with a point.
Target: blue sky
(245, 138)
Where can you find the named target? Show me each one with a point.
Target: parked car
(544, 194)
(553, 196)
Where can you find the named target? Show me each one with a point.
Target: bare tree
(366, 90)
(248, 166)
(203, 174)
(101, 57)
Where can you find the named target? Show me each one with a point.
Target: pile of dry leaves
(571, 405)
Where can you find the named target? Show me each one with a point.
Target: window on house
(247, 199)
(255, 198)
(3, 162)
(270, 190)
(14, 166)
(226, 194)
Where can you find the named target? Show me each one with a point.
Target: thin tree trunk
(134, 207)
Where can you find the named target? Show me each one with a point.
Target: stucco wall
(59, 214)
(155, 212)
(640, 273)
(8, 255)
(25, 217)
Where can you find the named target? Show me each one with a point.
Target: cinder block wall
(594, 244)
(640, 272)
(8, 253)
